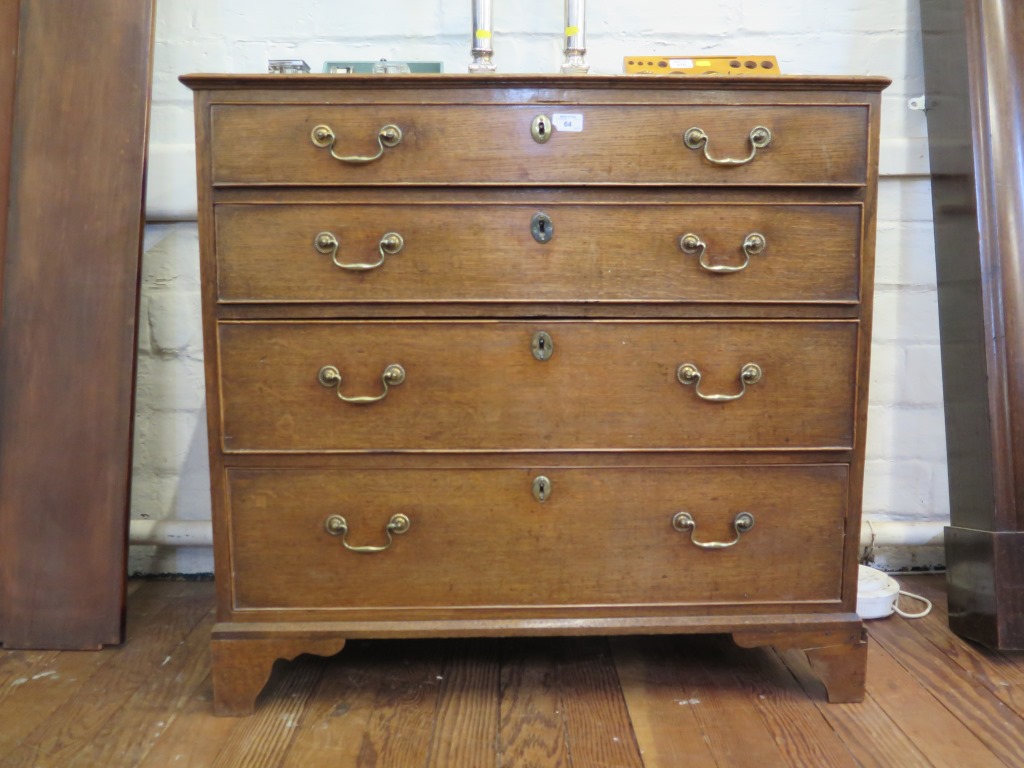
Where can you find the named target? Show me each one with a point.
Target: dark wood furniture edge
(9, 28)
(974, 56)
(313, 81)
(985, 585)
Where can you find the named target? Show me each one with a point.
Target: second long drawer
(544, 251)
(489, 385)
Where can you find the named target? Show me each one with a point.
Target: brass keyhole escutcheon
(542, 228)
(541, 128)
(541, 488)
(542, 346)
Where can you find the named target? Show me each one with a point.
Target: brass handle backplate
(327, 243)
(689, 374)
(696, 138)
(388, 136)
(336, 525)
(330, 377)
(683, 521)
(753, 244)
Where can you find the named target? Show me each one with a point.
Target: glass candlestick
(575, 38)
(483, 49)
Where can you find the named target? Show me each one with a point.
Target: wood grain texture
(604, 251)
(597, 722)
(657, 687)
(532, 726)
(810, 145)
(999, 672)
(192, 736)
(842, 669)
(33, 697)
(241, 668)
(37, 690)
(400, 729)
(974, 55)
(727, 714)
(141, 724)
(339, 710)
(456, 445)
(986, 715)
(260, 739)
(837, 655)
(67, 337)
(869, 734)
(16, 666)
(803, 737)
(924, 714)
(521, 555)
(459, 393)
(10, 17)
(65, 725)
(864, 347)
(683, 701)
(466, 731)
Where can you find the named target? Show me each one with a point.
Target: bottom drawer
(481, 538)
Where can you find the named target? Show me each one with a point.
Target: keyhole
(542, 228)
(541, 128)
(542, 346)
(541, 488)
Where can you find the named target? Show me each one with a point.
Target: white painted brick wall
(171, 475)
(906, 470)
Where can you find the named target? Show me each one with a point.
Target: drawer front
(477, 385)
(479, 538)
(489, 253)
(489, 144)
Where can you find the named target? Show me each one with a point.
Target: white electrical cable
(920, 615)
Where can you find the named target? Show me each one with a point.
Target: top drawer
(494, 144)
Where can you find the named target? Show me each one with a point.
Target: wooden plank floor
(635, 702)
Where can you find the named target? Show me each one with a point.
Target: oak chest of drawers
(535, 355)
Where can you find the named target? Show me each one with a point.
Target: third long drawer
(316, 386)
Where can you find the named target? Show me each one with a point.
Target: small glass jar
(385, 67)
(287, 67)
